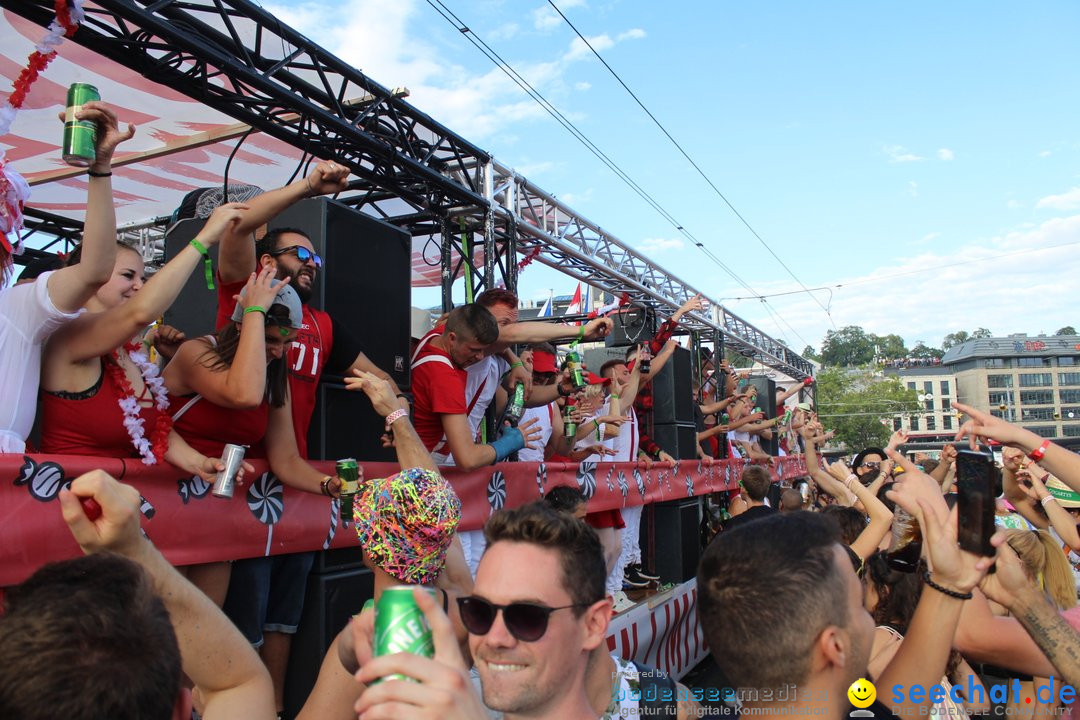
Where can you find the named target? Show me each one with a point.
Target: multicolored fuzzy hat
(406, 523)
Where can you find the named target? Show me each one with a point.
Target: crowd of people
(852, 572)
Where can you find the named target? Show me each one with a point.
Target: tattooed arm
(1050, 631)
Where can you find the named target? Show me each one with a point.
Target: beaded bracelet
(944, 590)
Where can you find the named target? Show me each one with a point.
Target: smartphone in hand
(975, 501)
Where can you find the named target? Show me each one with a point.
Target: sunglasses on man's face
(871, 465)
(301, 252)
(526, 621)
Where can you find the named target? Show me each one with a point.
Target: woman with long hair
(1046, 567)
(891, 598)
(31, 312)
(232, 388)
(102, 396)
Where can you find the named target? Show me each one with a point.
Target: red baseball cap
(594, 379)
(543, 362)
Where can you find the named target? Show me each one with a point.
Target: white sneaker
(622, 602)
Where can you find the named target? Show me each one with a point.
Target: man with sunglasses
(530, 637)
(266, 595)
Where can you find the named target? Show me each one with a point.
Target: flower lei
(153, 450)
(14, 190)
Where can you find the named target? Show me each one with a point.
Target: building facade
(1033, 382)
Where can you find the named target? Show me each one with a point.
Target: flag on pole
(545, 311)
(586, 300)
(575, 305)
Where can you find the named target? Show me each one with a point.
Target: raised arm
(228, 674)
(96, 334)
(1011, 587)
(410, 450)
(538, 332)
(1064, 465)
(71, 287)
(243, 384)
(236, 256)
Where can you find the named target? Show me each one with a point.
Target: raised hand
(531, 432)
(327, 177)
(166, 340)
(116, 529)
(109, 134)
(694, 304)
(378, 391)
(223, 219)
(986, 426)
(598, 328)
(442, 691)
(259, 290)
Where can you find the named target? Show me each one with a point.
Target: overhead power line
(449, 15)
(689, 159)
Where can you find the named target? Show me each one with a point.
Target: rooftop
(1013, 346)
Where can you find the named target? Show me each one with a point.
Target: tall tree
(811, 354)
(859, 406)
(1067, 330)
(923, 351)
(955, 338)
(890, 347)
(847, 347)
(981, 333)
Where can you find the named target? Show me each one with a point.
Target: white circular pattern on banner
(586, 479)
(265, 499)
(496, 490)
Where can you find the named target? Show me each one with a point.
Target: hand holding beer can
(233, 458)
(400, 626)
(80, 136)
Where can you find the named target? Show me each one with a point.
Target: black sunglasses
(526, 621)
(302, 254)
(871, 464)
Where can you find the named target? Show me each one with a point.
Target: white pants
(631, 536)
(474, 544)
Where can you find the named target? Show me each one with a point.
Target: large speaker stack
(673, 426)
(672, 533)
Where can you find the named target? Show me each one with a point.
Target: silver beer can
(232, 457)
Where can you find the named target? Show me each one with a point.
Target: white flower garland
(130, 404)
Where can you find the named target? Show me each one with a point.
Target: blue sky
(881, 147)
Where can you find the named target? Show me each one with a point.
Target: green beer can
(80, 136)
(348, 472)
(400, 626)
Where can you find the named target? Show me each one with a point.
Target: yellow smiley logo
(862, 693)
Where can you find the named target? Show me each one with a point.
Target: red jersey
(306, 357)
(91, 422)
(208, 427)
(438, 389)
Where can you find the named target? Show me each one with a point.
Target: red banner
(189, 525)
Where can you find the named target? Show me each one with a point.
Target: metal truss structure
(237, 58)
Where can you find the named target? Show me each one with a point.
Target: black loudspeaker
(673, 395)
(679, 440)
(675, 529)
(195, 308)
(345, 425)
(632, 325)
(596, 357)
(766, 400)
(366, 279)
(330, 601)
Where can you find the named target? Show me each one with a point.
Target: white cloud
(545, 18)
(656, 245)
(531, 170)
(913, 188)
(945, 154)
(380, 39)
(929, 238)
(582, 86)
(580, 198)
(632, 34)
(899, 154)
(1045, 154)
(1066, 201)
(507, 31)
(1015, 282)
